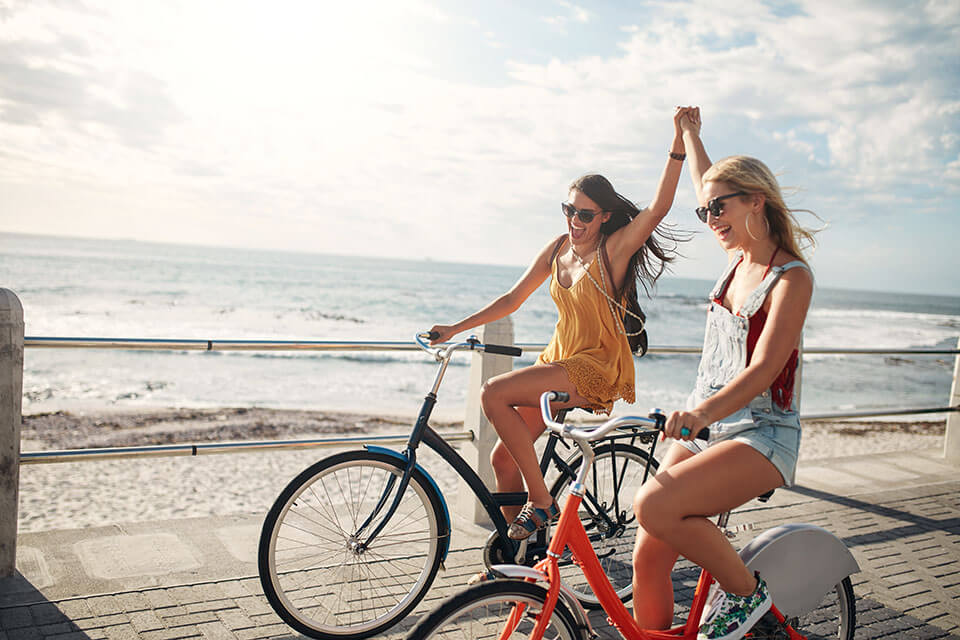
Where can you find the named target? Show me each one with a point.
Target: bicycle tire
(835, 618)
(481, 611)
(311, 570)
(615, 552)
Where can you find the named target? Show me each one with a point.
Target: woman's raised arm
(697, 154)
(628, 240)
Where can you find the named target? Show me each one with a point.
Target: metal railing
(200, 344)
(73, 455)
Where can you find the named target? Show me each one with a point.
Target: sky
(451, 131)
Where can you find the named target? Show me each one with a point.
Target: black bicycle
(353, 543)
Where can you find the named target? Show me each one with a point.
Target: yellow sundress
(587, 341)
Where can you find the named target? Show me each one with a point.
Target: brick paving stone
(115, 619)
(210, 592)
(234, 589)
(104, 605)
(121, 632)
(87, 624)
(145, 621)
(263, 619)
(261, 632)
(252, 585)
(235, 619)
(159, 598)
(216, 631)
(56, 629)
(190, 619)
(215, 605)
(253, 606)
(170, 612)
(184, 595)
(134, 601)
(46, 613)
(75, 609)
(24, 633)
(175, 633)
(72, 635)
(15, 618)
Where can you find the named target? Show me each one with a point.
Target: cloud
(260, 121)
(574, 13)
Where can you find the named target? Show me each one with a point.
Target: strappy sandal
(531, 520)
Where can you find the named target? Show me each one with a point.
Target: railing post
(11, 396)
(951, 437)
(477, 453)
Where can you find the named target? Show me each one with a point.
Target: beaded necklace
(617, 321)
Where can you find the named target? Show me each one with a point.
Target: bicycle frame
(570, 534)
(492, 502)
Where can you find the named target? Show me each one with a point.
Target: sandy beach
(93, 493)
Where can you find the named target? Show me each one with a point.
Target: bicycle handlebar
(472, 342)
(656, 420)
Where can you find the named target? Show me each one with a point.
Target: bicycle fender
(529, 574)
(800, 564)
(444, 539)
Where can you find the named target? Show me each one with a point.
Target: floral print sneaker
(731, 617)
(531, 520)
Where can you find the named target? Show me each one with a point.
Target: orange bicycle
(807, 570)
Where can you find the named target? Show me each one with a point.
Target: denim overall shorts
(762, 424)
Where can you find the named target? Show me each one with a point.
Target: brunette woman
(593, 268)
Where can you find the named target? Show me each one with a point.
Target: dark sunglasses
(585, 215)
(715, 206)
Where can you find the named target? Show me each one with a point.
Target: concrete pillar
(483, 367)
(951, 439)
(11, 396)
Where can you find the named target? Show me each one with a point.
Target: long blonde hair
(744, 173)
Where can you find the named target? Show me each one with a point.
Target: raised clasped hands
(687, 119)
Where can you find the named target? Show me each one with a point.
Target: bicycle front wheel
(607, 515)
(317, 568)
(835, 618)
(482, 611)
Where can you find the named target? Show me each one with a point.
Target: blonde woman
(744, 394)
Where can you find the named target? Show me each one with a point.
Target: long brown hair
(651, 260)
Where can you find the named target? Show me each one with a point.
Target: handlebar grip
(704, 434)
(503, 350)
(433, 335)
(562, 396)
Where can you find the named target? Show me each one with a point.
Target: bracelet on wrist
(678, 156)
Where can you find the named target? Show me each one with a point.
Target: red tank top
(782, 386)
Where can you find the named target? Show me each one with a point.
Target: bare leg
(503, 397)
(653, 562)
(505, 468)
(674, 505)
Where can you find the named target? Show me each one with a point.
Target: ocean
(128, 289)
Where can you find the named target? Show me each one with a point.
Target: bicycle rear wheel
(835, 618)
(607, 515)
(482, 612)
(315, 566)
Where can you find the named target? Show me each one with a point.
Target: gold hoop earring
(766, 224)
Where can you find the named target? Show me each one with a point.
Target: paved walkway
(898, 513)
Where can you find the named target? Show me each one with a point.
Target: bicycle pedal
(521, 551)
